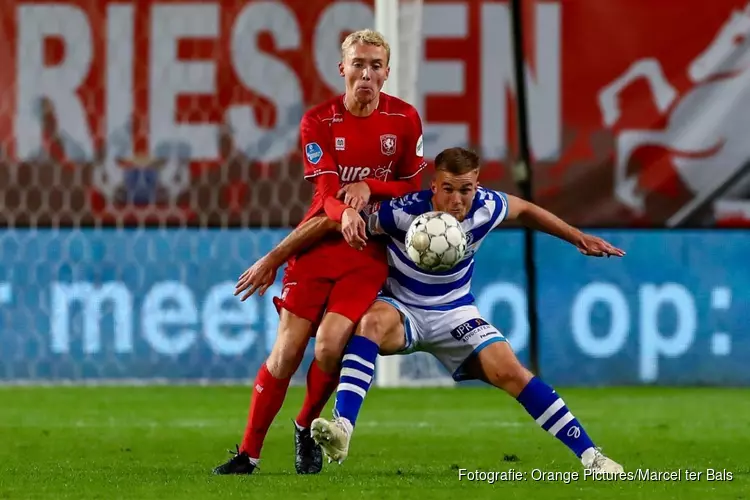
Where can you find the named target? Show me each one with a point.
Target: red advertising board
(187, 112)
(655, 100)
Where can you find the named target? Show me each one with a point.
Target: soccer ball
(435, 241)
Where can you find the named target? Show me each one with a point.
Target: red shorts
(333, 279)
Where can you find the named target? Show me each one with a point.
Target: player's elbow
(518, 208)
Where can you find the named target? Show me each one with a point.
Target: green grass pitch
(162, 442)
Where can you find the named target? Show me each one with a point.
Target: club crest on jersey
(340, 143)
(469, 238)
(313, 152)
(388, 144)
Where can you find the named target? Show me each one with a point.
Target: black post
(522, 174)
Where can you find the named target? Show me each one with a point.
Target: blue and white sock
(550, 412)
(357, 371)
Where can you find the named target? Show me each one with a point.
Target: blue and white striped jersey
(437, 290)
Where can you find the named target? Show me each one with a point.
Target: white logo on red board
(703, 141)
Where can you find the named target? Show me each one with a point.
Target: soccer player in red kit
(364, 146)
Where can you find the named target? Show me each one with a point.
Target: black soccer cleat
(308, 455)
(239, 464)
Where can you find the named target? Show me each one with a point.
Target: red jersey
(383, 149)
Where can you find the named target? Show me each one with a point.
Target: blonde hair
(368, 36)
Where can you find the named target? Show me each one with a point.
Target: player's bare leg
(333, 334)
(380, 330)
(497, 364)
(269, 390)
(322, 377)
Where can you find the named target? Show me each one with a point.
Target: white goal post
(400, 21)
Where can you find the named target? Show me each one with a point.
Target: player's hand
(356, 195)
(353, 229)
(258, 277)
(594, 246)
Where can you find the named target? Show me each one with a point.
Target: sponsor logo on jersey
(381, 173)
(464, 329)
(353, 174)
(340, 143)
(486, 334)
(313, 152)
(388, 144)
(420, 147)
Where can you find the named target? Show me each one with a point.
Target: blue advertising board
(158, 304)
(90, 304)
(674, 310)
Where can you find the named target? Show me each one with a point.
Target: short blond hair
(368, 36)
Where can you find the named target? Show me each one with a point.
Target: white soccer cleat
(594, 460)
(333, 437)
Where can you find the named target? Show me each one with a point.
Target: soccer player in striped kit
(435, 312)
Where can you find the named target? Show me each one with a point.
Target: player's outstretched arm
(262, 273)
(303, 237)
(535, 217)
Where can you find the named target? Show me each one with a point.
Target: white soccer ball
(435, 241)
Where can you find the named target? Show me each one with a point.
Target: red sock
(268, 396)
(320, 386)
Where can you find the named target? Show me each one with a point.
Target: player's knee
(512, 378)
(288, 350)
(283, 362)
(374, 327)
(503, 370)
(328, 352)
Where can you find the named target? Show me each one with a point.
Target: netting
(149, 152)
(84, 304)
(141, 115)
(148, 155)
(136, 143)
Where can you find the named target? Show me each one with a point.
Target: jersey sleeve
(497, 203)
(320, 166)
(413, 161)
(500, 207)
(315, 138)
